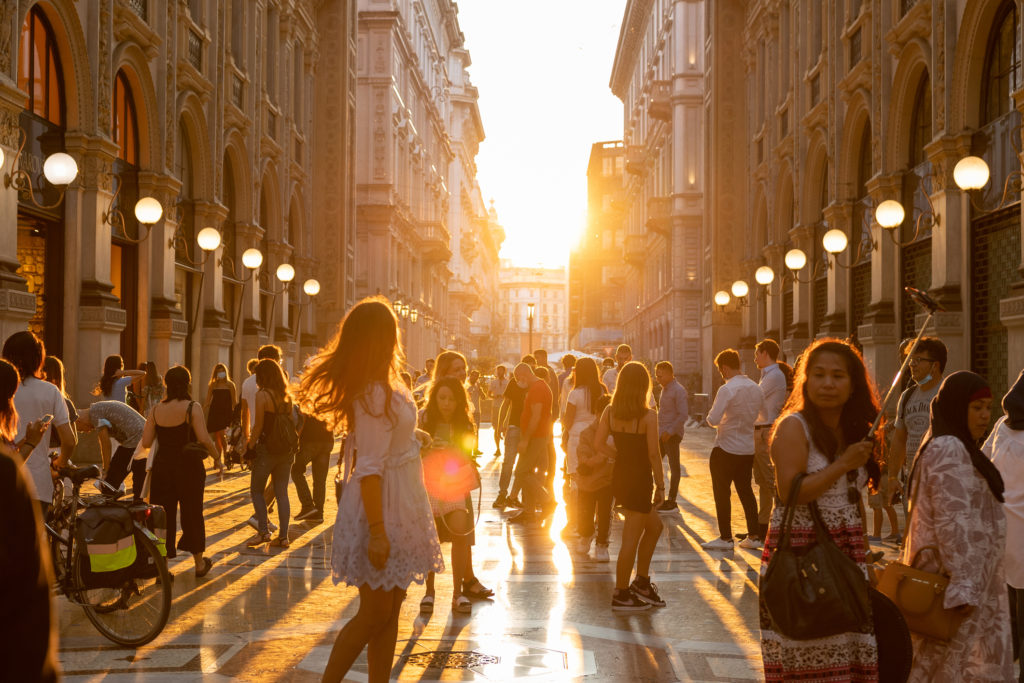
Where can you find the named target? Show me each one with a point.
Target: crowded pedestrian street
(271, 615)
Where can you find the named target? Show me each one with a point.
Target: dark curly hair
(462, 420)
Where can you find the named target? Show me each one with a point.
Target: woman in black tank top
(638, 483)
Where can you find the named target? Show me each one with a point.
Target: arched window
(125, 124)
(1002, 64)
(921, 122)
(39, 72)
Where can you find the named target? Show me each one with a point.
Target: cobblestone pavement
(272, 615)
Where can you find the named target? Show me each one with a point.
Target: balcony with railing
(659, 102)
(435, 241)
(659, 215)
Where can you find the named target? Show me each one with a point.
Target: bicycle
(133, 612)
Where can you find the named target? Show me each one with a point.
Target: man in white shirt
(35, 399)
(623, 354)
(773, 389)
(733, 413)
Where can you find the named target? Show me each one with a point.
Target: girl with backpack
(274, 439)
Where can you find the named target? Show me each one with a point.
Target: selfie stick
(932, 306)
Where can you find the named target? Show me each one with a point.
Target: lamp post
(285, 273)
(311, 288)
(529, 320)
(252, 259)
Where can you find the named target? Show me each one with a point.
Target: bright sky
(542, 68)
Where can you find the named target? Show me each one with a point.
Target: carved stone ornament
(6, 35)
(9, 129)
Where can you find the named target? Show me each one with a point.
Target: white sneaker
(255, 524)
(601, 553)
(583, 545)
(751, 543)
(717, 544)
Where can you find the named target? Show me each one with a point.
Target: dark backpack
(283, 439)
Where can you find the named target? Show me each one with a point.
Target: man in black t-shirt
(315, 445)
(508, 422)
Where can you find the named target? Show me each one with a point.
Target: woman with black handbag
(821, 440)
(178, 471)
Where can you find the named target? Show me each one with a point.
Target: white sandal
(462, 605)
(427, 604)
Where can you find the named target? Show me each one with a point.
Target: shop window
(125, 123)
(39, 72)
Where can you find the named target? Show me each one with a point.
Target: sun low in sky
(542, 68)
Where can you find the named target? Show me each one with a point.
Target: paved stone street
(273, 615)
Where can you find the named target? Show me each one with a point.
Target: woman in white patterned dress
(384, 536)
(956, 497)
(823, 431)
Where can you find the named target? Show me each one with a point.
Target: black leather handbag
(814, 591)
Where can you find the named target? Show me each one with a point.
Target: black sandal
(476, 590)
(207, 565)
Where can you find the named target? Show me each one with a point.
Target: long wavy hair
(365, 350)
(216, 368)
(53, 372)
(111, 366)
(632, 392)
(9, 381)
(462, 420)
(444, 362)
(270, 377)
(585, 376)
(858, 413)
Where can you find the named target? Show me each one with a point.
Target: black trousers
(728, 469)
(599, 501)
(181, 480)
(319, 454)
(670, 450)
(120, 464)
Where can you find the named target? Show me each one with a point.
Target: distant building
(658, 73)
(546, 289)
(597, 273)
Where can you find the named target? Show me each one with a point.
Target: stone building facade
(546, 289)
(658, 73)
(597, 273)
(235, 115)
(847, 105)
(424, 232)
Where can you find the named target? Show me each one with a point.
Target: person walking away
(623, 355)
(274, 456)
(1005, 447)
(497, 390)
(581, 410)
(316, 441)
(956, 496)
(541, 356)
(384, 537)
(125, 425)
(38, 403)
(509, 417)
(733, 413)
(638, 483)
(114, 383)
(218, 407)
(475, 393)
(447, 419)
(673, 411)
(248, 415)
(533, 445)
(823, 432)
(152, 391)
(565, 381)
(53, 372)
(773, 389)
(927, 364)
(178, 476)
(594, 469)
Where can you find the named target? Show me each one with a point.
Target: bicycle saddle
(79, 474)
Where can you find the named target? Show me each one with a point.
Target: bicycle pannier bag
(106, 535)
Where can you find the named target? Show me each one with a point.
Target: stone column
(167, 325)
(282, 333)
(1011, 309)
(100, 319)
(950, 234)
(798, 336)
(248, 335)
(879, 334)
(773, 256)
(215, 333)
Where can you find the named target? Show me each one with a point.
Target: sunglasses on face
(917, 361)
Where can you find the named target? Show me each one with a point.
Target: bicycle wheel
(136, 612)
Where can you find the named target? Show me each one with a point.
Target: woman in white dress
(384, 536)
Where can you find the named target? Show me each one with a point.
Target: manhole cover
(451, 659)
